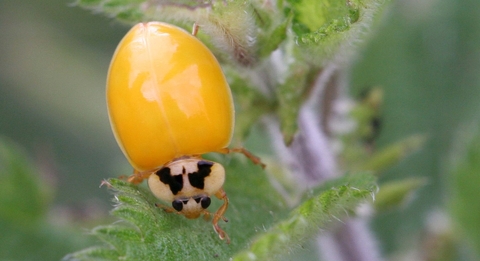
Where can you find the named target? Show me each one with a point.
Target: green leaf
(307, 219)
(24, 196)
(322, 27)
(269, 41)
(25, 199)
(140, 10)
(314, 14)
(94, 253)
(290, 96)
(465, 194)
(392, 154)
(395, 194)
(124, 10)
(361, 179)
(149, 232)
(121, 235)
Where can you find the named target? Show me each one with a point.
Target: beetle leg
(137, 177)
(256, 160)
(207, 215)
(219, 215)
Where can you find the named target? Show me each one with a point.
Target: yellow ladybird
(168, 103)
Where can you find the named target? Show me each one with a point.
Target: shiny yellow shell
(167, 96)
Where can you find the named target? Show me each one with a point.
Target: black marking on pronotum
(197, 179)
(175, 182)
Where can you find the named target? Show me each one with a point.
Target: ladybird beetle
(168, 103)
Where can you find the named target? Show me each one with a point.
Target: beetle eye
(177, 205)
(205, 202)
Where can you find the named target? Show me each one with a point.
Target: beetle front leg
(256, 160)
(137, 177)
(219, 215)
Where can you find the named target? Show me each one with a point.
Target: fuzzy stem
(313, 160)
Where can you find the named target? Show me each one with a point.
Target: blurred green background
(53, 63)
(426, 56)
(54, 59)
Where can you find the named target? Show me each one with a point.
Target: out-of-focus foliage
(464, 189)
(25, 231)
(24, 196)
(426, 58)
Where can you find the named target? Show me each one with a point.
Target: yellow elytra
(167, 96)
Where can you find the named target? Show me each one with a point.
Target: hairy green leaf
(307, 219)
(322, 27)
(148, 232)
